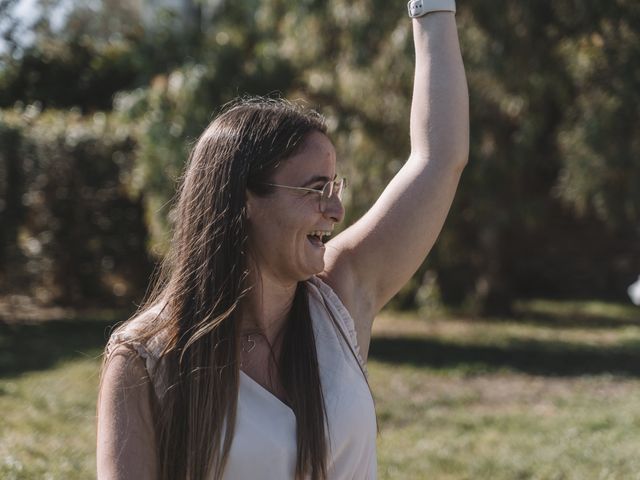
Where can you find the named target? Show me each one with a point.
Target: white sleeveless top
(264, 443)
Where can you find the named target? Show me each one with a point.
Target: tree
(548, 204)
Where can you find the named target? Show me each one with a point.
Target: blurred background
(101, 101)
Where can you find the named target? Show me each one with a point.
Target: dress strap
(341, 317)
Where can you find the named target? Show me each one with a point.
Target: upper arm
(126, 443)
(369, 262)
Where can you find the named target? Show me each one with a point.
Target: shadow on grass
(537, 358)
(577, 314)
(27, 347)
(38, 346)
(576, 320)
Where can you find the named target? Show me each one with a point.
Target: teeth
(321, 233)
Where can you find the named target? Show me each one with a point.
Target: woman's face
(280, 224)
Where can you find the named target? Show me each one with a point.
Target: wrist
(420, 8)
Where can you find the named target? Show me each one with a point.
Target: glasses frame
(338, 185)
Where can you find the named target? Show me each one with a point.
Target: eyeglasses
(330, 189)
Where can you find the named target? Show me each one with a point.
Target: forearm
(440, 105)
(405, 222)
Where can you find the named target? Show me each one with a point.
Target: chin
(310, 273)
(313, 270)
(311, 264)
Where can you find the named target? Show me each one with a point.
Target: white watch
(418, 8)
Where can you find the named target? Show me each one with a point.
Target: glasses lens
(330, 189)
(339, 187)
(327, 191)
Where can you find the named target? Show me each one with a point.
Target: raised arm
(126, 438)
(370, 261)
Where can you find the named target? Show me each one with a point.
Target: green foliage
(162, 117)
(100, 50)
(64, 74)
(11, 207)
(600, 138)
(74, 233)
(548, 204)
(552, 186)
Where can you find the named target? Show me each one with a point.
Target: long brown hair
(201, 284)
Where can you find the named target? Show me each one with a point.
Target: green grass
(48, 427)
(544, 396)
(551, 394)
(49, 375)
(505, 426)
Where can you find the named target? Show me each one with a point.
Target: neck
(267, 306)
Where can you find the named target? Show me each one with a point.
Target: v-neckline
(265, 392)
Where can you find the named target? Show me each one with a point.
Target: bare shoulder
(124, 368)
(126, 434)
(125, 392)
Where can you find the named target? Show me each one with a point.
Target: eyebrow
(318, 178)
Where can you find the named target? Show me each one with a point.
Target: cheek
(294, 219)
(275, 232)
(282, 227)
(291, 232)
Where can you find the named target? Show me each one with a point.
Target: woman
(248, 360)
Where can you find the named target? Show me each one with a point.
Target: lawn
(553, 393)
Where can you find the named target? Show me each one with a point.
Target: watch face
(418, 8)
(415, 8)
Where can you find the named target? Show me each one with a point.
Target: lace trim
(150, 352)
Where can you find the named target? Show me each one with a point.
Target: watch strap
(419, 8)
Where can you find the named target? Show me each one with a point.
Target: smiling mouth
(319, 237)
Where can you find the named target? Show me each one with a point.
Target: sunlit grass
(539, 396)
(446, 415)
(505, 426)
(48, 422)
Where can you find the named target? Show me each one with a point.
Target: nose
(334, 209)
